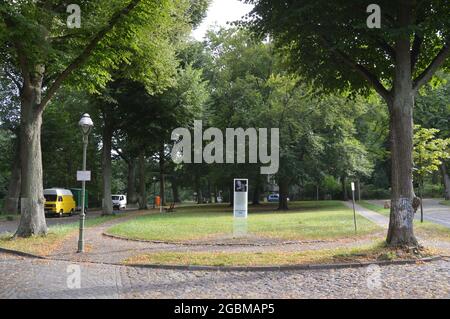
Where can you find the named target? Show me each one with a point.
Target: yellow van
(59, 201)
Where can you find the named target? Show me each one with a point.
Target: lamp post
(154, 192)
(86, 126)
(354, 210)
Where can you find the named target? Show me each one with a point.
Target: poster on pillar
(240, 207)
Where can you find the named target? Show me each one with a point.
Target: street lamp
(86, 126)
(154, 192)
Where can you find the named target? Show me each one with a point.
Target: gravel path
(375, 217)
(30, 278)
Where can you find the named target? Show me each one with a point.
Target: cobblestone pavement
(31, 278)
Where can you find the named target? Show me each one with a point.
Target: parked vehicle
(59, 201)
(119, 201)
(77, 194)
(273, 198)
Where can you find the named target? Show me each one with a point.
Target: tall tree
(330, 42)
(37, 44)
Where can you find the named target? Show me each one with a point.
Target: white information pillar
(240, 206)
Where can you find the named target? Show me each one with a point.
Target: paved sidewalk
(375, 217)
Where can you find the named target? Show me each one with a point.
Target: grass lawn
(373, 252)
(304, 221)
(426, 229)
(445, 202)
(44, 245)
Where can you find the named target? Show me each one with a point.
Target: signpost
(83, 176)
(354, 210)
(240, 206)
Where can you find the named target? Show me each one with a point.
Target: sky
(220, 12)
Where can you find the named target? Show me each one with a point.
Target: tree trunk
(11, 205)
(106, 163)
(284, 193)
(344, 188)
(256, 190)
(401, 105)
(175, 192)
(359, 190)
(142, 191)
(131, 183)
(215, 194)
(231, 190)
(162, 182)
(446, 179)
(198, 189)
(32, 220)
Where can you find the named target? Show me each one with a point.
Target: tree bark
(11, 205)
(284, 193)
(106, 163)
(231, 191)
(401, 105)
(32, 220)
(131, 183)
(446, 179)
(142, 190)
(175, 192)
(256, 190)
(344, 188)
(162, 181)
(198, 189)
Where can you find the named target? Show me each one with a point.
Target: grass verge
(374, 252)
(304, 221)
(45, 245)
(445, 202)
(426, 229)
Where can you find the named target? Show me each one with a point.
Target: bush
(372, 192)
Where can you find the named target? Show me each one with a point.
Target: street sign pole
(354, 210)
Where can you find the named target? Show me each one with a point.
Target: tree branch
(21, 56)
(361, 70)
(415, 51)
(82, 58)
(13, 79)
(437, 62)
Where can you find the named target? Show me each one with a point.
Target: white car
(119, 201)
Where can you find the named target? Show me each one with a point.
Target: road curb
(187, 244)
(287, 267)
(20, 253)
(240, 268)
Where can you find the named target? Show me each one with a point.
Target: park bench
(170, 209)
